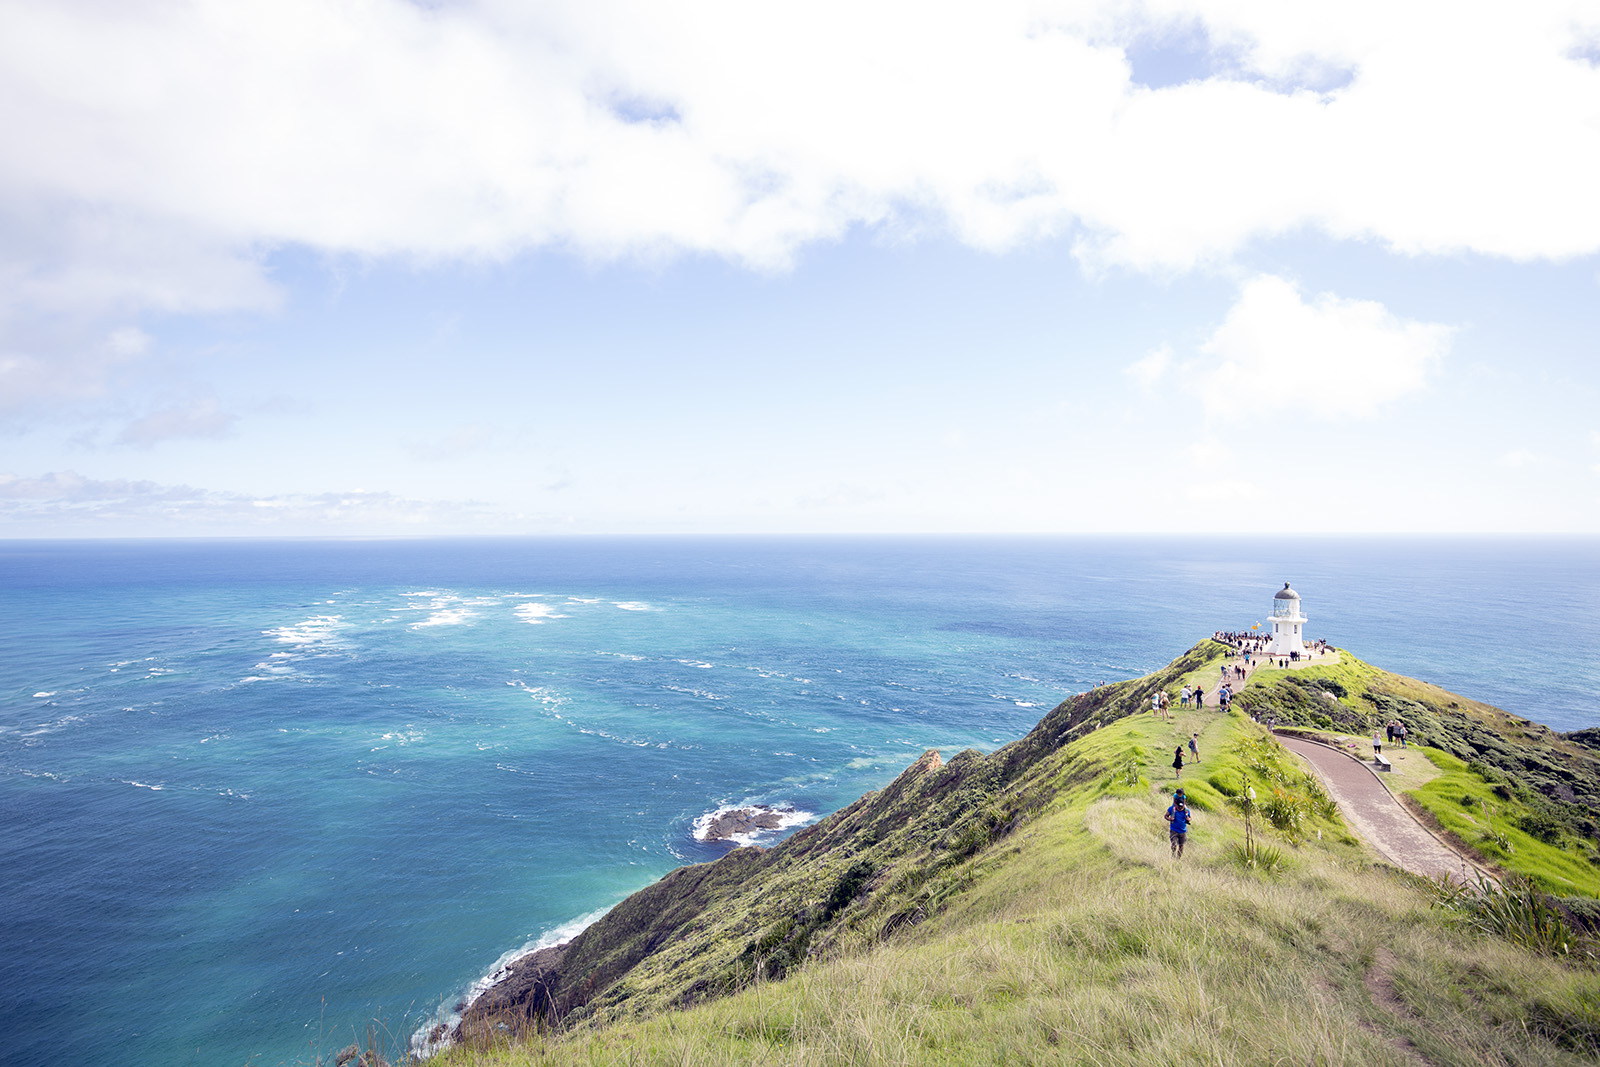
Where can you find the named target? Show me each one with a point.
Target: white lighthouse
(1286, 623)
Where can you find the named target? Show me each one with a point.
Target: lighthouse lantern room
(1286, 623)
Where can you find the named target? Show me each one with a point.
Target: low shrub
(1515, 911)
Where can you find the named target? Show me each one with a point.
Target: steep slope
(1047, 859)
(709, 929)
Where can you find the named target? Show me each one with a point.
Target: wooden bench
(1381, 762)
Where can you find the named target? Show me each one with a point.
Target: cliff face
(885, 862)
(896, 856)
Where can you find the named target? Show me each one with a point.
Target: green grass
(1525, 799)
(1466, 806)
(1056, 927)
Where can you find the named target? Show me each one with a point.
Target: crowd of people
(1242, 640)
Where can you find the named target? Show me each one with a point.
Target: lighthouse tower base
(1286, 636)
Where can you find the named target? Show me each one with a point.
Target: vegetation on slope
(1023, 907)
(1523, 798)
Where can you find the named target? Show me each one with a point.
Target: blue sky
(370, 267)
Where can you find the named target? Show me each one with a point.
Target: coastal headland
(1023, 903)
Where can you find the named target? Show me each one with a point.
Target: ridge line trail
(1365, 802)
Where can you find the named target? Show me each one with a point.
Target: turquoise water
(256, 795)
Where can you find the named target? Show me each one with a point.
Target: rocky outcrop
(742, 822)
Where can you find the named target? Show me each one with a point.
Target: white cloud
(80, 369)
(1517, 458)
(1208, 452)
(155, 151)
(1330, 358)
(1150, 370)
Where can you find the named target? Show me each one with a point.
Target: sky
(397, 268)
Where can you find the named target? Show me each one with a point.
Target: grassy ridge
(1523, 797)
(1023, 907)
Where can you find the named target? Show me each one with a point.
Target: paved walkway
(1373, 812)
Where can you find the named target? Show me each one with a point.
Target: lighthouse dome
(1286, 593)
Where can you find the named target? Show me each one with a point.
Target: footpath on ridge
(1364, 800)
(1374, 813)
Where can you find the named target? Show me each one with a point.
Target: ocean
(255, 796)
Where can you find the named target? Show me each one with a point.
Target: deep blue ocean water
(256, 795)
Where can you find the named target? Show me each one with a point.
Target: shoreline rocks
(728, 825)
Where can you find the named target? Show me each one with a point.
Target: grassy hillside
(1023, 906)
(1522, 796)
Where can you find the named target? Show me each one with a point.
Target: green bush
(847, 888)
(1516, 911)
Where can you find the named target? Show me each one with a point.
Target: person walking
(1177, 761)
(1178, 823)
(1194, 747)
(1377, 746)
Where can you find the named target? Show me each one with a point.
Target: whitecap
(41, 696)
(537, 613)
(632, 605)
(446, 617)
(540, 693)
(316, 630)
(405, 737)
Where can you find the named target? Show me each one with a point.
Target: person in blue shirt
(1178, 817)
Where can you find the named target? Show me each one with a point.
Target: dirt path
(1374, 813)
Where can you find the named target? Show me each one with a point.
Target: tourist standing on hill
(1400, 732)
(1377, 745)
(1194, 747)
(1177, 760)
(1178, 819)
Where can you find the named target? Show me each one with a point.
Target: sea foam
(430, 1038)
(537, 613)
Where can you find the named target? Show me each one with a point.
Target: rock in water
(730, 824)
